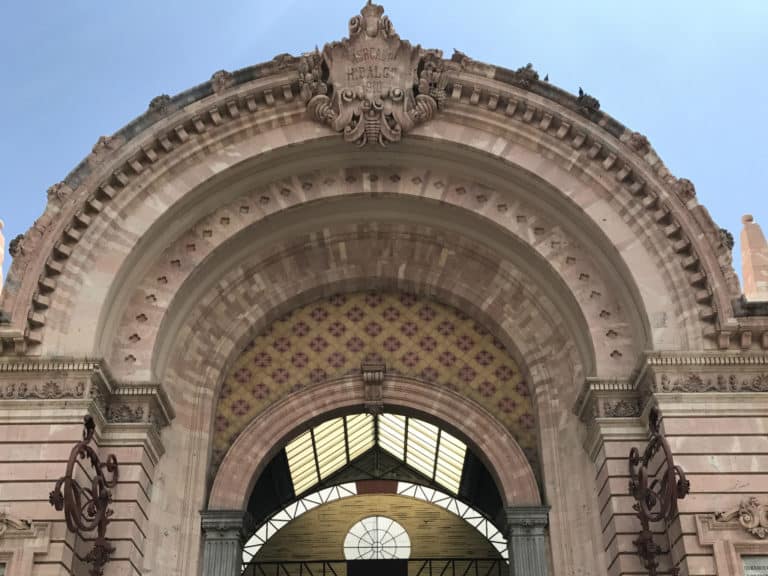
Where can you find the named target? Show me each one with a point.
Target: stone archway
(223, 520)
(274, 427)
(217, 210)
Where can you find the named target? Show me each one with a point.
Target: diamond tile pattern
(414, 336)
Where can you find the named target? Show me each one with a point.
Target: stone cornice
(702, 359)
(615, 407)
(31, 365)
(71, 378)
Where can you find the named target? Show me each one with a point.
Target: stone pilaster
(223, 537)
(527, 533)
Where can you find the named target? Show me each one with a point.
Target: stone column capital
(224, 524)
(526, 520)
(527, 539)
(224, 533)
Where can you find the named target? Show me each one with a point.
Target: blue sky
(691, 75)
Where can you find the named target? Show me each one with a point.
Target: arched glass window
(377, 538)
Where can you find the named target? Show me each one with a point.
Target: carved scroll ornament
(372, 86)
(752, 516)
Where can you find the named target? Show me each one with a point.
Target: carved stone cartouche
(373, 87)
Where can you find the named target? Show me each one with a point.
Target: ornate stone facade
(184, 251)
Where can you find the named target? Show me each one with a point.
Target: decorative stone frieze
(693, 382)
(674, 373)
(49, 390)
(608, 408)
(607, 399)
(87, 381)
(622, 408)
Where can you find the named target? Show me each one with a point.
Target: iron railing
(416, 567)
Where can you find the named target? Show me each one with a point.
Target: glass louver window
(328, 447)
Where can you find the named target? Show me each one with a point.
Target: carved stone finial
(16, 246)
(373, 87)
(639, 143)
(460, 58)
(726, 239)
(221, 80)
(526, 76)
(587, 103)
(59, 192)
(371, 21)
(104, 145)
(685, 189)
(159, 104)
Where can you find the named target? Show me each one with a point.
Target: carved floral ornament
(49, 390)
(752, 516)
(372, 86)
(10, 523)
(693, 382)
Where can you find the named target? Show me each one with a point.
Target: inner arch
(410, 335)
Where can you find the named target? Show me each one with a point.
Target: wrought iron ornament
(655, 498)
(87, 509)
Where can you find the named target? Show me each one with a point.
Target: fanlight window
(377, 538)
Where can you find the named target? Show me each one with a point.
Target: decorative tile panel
(414, 336)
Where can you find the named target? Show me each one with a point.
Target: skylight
(328, 447)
